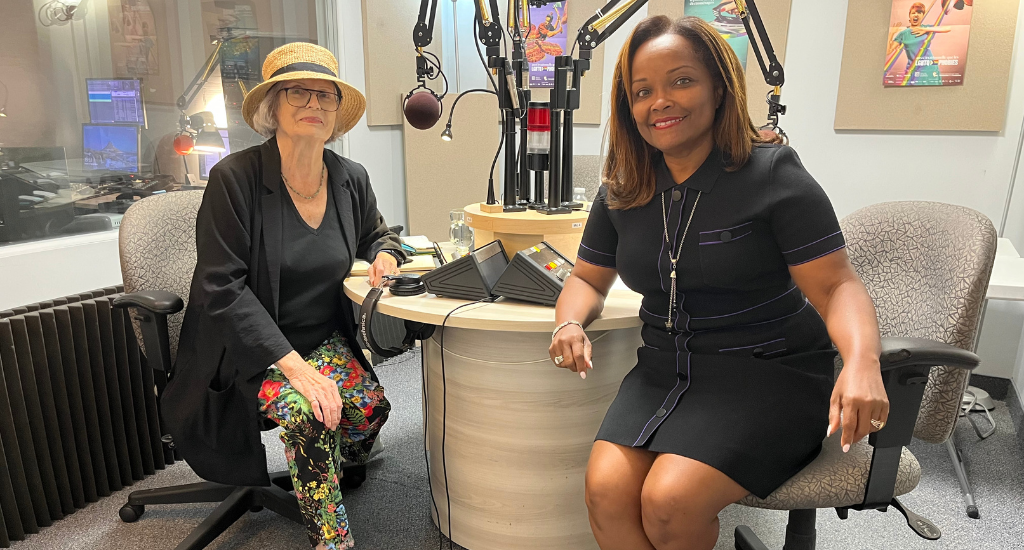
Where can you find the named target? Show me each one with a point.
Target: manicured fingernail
(583, 374)
(590, 364)
(846, 448)
(828, 432)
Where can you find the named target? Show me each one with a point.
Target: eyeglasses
(300, 97)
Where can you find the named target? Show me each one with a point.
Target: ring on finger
(559, 359)
(877, 424)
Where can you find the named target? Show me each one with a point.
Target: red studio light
(184, 144)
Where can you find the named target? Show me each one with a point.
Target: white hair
(264, 121)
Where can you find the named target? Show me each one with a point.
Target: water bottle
(460, 234)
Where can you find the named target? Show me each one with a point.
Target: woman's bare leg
(615, 480)
(681, 500)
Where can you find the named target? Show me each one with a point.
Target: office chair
(157, 243)
(926, 266)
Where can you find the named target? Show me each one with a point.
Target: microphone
(422, 109)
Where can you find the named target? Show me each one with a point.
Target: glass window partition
(103, 102)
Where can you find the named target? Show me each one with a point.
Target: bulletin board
(979, 104)
(775, 15)
(442, 175)
(390, 58)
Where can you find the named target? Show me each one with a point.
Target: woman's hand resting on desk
(572, 345)
(322, 392)
(384, 264)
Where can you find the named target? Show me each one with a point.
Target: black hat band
(310, 67)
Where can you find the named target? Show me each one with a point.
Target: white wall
(33, 272)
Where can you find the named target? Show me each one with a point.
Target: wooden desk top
(621, 310)
(526, 223)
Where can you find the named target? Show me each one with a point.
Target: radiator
(78, 410)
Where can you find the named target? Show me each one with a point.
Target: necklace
(679, 251)
(310, 197)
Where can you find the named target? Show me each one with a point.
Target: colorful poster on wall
(724, 17)
(927, 42)
(546, 40)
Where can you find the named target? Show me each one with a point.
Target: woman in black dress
(746, 284)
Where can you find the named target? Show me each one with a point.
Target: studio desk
(517, 429)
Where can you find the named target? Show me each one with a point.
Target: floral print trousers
(315, 454)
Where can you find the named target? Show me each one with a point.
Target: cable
(437, 65)
(444, 416)
(490, 181)
(426, 457)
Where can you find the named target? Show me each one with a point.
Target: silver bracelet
(563, 325)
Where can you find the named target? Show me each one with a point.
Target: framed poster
(724, 16)
(133, 39)
(547, 38)
(927, 44)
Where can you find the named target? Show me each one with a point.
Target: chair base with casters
(235, 502)
(152, 309)
(874, 472)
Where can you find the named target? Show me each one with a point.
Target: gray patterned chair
(157, 242)
(927, 267)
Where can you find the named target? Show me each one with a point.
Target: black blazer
(229, 335)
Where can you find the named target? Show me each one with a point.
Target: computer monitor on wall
(110, 148)
(206, 162)
(116, 101)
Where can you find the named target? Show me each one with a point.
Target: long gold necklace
(679, 252)
(323, 170)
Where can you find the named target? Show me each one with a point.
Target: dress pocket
(730, 257)
(770, 349)
(217, 421)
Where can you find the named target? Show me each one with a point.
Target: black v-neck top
(313, 265)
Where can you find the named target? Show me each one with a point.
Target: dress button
(726, 236)
(660, 413)
(677, 195)
(758, 352)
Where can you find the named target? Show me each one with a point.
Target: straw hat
(298, 60)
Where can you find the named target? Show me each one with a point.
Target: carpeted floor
(391, 511)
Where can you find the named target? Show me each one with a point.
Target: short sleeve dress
(742, 379)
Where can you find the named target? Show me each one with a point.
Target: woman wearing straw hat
(268, 332)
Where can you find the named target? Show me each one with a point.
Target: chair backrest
(586, 173)
(157, 244)
(927, 267)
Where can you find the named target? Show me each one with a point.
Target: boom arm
(609, 18)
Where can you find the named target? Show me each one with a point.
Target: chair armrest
(156, 301)
(905, 363)
(904, 352)
(153, 308)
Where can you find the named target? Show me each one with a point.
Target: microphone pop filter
(422, 110)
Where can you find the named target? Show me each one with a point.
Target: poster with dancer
(546, 39)
(927, 43)
(725, 18)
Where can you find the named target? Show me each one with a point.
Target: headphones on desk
(401, 285)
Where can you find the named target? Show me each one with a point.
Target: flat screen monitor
(207, 161)
(116, 101)
(110, 148)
